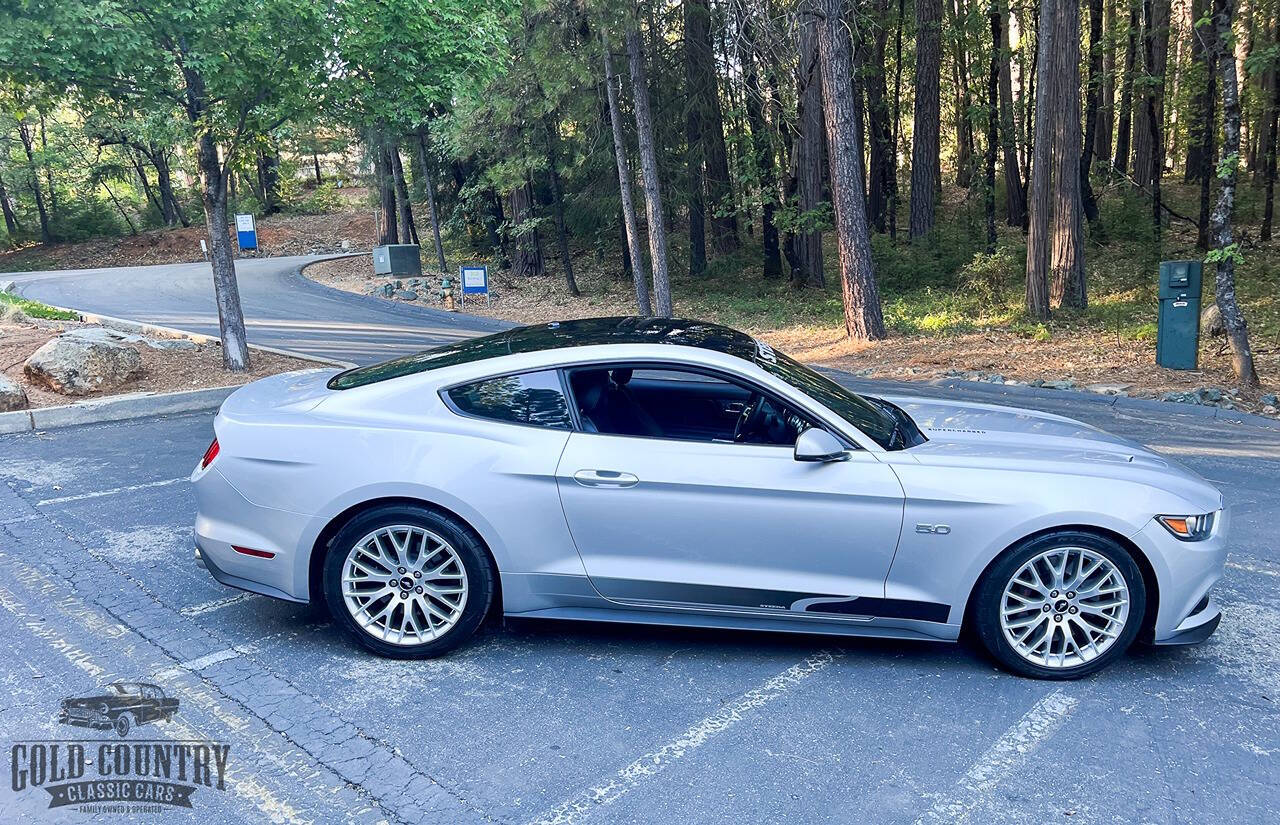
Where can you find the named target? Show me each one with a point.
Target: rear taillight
(209, 454)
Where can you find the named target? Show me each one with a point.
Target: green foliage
(322, 200)
(35, 309)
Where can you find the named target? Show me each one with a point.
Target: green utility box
(1178, 327)
(397, 259)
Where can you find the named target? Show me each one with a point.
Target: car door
(712, 523)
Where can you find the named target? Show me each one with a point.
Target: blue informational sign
(246, 232)
(475, 280)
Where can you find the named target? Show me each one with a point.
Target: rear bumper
(226, 520)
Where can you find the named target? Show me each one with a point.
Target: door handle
(605, 478)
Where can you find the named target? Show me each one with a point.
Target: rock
(7, 286)
(1108, 389)
(1211, 321)
(75, 366)
(1270, 409)
(345, 245)
(387, 290)
(1036, 382)
(1181, 397)
(406, 295)
(1064, 384)
(1209, 395)
(1270, 400)
(12, 396)
(994, 378)
(115, 336)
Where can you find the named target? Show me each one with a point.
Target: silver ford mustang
(682, 473)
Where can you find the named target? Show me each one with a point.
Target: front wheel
(122, 725)
(1060, 606)
(407, 582)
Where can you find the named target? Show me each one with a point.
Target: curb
(118, 408)
(157, 331)
(415, 311)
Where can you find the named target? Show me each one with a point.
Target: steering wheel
(751, 417)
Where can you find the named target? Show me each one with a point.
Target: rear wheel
(407, 582)
(1060, 606)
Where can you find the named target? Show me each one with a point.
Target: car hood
(987, 435)
(289, 391)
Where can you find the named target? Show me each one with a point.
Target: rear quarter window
(531, 398)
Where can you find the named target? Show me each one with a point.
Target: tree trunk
(897, 118)
(960, 88)
(226, 292)
(762, 148)
(1015, 190)
(164, 182)
(1229, 161)
(147, 191)
(993, 127)
(1124, 128)
(863, 319)
(881, 169)
(429, 186)
(695, 25)
(1062, 86)
(48, 169)
(925, 135)
(1148, 157)
(404, 207)
(315, 165)
(10, 219)
(1273, 122)
(1148, 148)
(387, 194)
(1093, 89)
(1199, 155)
(804, 244)
(1039, 239)
(526, 245)
(24, 132)
(630, 226)
(704, 95)
(552, 130)
(1107, 91)
(649, 169)
(269, 179)
(1208, 126)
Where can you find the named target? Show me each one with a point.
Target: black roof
(558, 335)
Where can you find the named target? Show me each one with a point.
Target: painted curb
(118, 408)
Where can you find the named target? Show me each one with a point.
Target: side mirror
(819, 445)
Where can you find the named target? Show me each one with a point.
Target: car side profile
(121, 707)
(683, 473)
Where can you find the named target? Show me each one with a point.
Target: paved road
(551, 722)
(282, 309)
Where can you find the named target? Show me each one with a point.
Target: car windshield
(877, 423)
(124, 689)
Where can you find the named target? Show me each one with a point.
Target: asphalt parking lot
(564, 723)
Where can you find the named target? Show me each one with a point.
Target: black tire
(463, 540)
(122, 725)
(990, 591)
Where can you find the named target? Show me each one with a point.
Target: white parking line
(208, 660)
(589, 800)
(1036, 725)
(216, 604)
(111, 492)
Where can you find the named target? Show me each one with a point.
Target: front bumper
(1185, 572)
(95, 722)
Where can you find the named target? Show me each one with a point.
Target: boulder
(406, 295)
(74, 365)
(7, 286)
(12, 396)
(1211, 321)
(1270, 400)
(119, 337)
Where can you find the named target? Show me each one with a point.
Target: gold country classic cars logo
(114, 775)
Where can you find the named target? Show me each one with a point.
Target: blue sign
(475, 280)
(246, 232)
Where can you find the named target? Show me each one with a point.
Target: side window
(530, 398)
(656, 402)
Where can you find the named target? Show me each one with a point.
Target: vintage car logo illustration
(121, 706)
(109, 776)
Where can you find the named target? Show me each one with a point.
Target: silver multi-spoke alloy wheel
(404, 585)
(1064, 607)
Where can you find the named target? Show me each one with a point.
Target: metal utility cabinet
(1178, 326)
(397, 259)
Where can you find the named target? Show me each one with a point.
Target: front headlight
(1190, 528)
